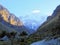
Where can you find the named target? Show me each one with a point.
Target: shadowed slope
(50, 29)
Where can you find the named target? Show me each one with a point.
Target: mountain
(55, 13)
(33, 21)
(31, 24)
(10, 21)
(50, 29)
(9, 17)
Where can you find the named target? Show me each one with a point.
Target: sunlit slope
(11, 21)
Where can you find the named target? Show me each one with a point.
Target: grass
(3, 43)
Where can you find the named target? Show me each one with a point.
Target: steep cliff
(10, 20)
(9, 17)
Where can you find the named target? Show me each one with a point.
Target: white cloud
(36, 11)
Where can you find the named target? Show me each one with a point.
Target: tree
(11, 36)
(23, 33)
(23, 37)
(2, 34)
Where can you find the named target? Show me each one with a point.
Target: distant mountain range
(33, 21)
(11, 22)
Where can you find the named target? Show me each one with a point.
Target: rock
(10, 20)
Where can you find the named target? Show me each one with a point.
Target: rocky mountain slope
(9, 21)
(50, 29)
(9, 17)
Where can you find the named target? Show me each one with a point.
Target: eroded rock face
(9, 17)
(10, 20)
(14, 20)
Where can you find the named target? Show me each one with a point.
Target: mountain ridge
(50, 29)
(10, 20)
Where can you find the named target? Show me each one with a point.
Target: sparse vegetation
(9, 23)
(48, 30)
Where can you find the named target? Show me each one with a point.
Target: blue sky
(31, 9)
(26, 7)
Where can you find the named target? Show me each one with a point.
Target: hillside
(50, 29)
(10, 22)
(5, 28)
